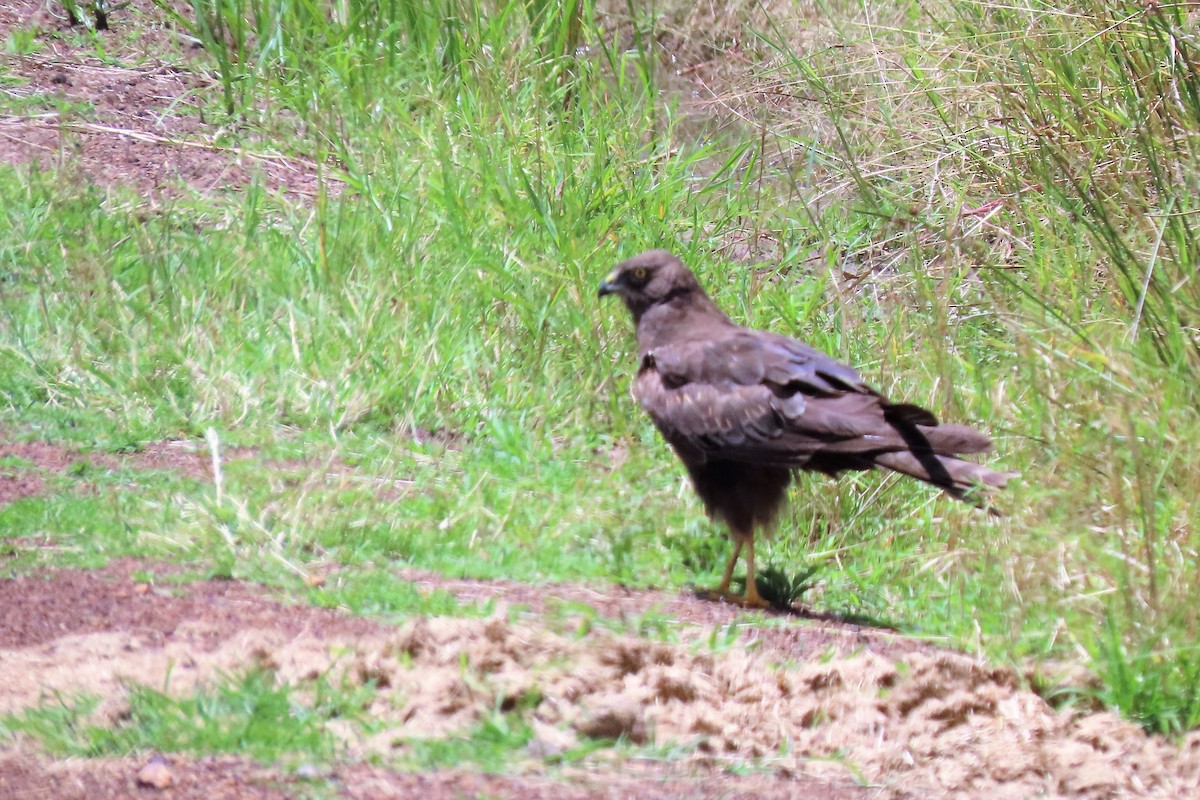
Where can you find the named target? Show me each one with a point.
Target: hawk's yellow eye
(639, 273)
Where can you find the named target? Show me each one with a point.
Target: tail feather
(951, 440)
(919, 447)
(954, 476)
(946, 472)
(932, 457)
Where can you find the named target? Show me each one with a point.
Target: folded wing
(758, 398)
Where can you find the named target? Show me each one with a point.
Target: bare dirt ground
(231, 779)
(99, 631)
(849, 724)
(138, 126)
(828, 709)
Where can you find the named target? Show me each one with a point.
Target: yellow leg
(723, 589)
(752, 599)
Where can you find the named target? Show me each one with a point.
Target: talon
(750, 598)
(739, 600)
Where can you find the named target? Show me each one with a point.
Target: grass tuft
(250, 715)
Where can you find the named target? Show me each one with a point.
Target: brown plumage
(743, 409)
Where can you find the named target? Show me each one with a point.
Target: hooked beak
(611, 284)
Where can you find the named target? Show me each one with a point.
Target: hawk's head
(649, 278)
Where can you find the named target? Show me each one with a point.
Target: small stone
(549, 741)
(156, 774)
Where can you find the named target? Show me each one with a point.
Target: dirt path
(98, 632)
(878, 719)
(26, 778)
(131, 119)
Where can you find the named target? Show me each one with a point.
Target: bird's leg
(723, 589)
(751, 599)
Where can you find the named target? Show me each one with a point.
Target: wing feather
(760, 398)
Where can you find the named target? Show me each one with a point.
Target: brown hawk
(743, 409)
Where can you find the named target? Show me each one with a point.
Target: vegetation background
(989, 209)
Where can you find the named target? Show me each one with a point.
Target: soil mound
(922, 722)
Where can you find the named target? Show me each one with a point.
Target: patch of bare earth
(98, 632)
(133, 119)
(31, 462)
(683, 612)
(876, 720)
(25, 777)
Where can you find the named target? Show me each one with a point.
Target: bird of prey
(743, 409)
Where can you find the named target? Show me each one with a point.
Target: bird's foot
(750, 601)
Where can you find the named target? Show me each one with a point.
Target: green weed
(380, 592)
(491, 745)
(249, 715)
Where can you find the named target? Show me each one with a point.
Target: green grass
(250, 715)
(380, 592)
(254, 715)
(85, 527)
(492, 745)
(480, 173)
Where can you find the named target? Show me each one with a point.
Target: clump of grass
(1157, 684)
(783, 589)
(251, 715)
(492, 745)
(1098, 113)
(381, 592)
